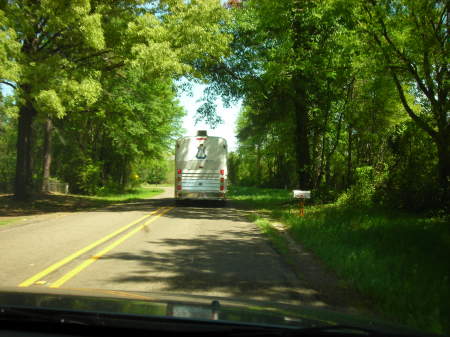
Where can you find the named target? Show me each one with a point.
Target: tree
(133, 125)
(287, 65)
(56, 53)
(411, 39)
(7, 143)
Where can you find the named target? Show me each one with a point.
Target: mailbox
(302, 194)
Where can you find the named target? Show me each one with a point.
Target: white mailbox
(302, 194)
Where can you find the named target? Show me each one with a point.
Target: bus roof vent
(202, 133)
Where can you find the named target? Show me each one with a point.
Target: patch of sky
(6, 90)
(190, 95)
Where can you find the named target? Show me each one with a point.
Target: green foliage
(361, 81)
(7, 150)
(361, 193)
(104, 72)
(157, 171)
(9, 49)
(389, 256)
(390, 30)
(89, 178)
(128, 133)
(412, 180)
(49, 102)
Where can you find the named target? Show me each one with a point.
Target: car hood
(186, 307)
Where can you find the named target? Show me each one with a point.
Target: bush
(412, 179)
(396, 259)
(155, 171)
(362, 193)
(89, 178)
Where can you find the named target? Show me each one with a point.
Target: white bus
(201, 167)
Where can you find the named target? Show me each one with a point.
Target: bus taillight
(179, 187)
(222, 172)
(179, 171)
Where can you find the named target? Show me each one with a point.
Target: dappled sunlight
(231, 262)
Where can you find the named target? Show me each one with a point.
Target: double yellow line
(35, 278)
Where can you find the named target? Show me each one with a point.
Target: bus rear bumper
(188, 195)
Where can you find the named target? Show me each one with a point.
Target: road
(151, 246)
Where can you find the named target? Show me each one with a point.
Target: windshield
(288, 158)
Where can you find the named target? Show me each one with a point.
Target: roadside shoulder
(310, 270)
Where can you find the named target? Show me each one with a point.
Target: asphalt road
(151, 246)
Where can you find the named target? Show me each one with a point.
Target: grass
(131, 195)
(158, 185)
(398, 260)
(7, 222)
(260, 198)
(273, 234)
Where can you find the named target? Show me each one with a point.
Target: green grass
(161, 185)
(260, 198)
(273, 234)
(135, 194)
(398, 260)
(7, 222)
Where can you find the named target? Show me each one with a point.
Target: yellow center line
(73, 256)
(97, 256)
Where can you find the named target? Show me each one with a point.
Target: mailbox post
(302, 195)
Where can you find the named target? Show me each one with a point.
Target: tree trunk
(301, 33)
(444, 170)
(23, 179)
(349, 156)
(301, 127)
(332, 151)
(47, 154)
(320, 170)
(258, 165)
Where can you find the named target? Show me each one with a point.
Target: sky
(228, 115)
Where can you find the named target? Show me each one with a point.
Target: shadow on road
(209, 211)
(191, 209)
(53, 203)
(235, 262)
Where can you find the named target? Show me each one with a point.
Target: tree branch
(408, 109)
(437, 27)
(410, 65)
(443, 90)
(114, 66)
(100, 53)
(9, 83)
(50, 39)
(427, 72)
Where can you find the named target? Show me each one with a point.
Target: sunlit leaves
(49, 102)
(9, 49)
(78, 95)
(106, 68)
(91, 27)
(168, 44)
